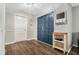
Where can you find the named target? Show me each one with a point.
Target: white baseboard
(44, 43)
(9, 43)
(18, 41)
(71, 48)
(69, 51)
(75, 45)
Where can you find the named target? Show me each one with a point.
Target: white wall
(32, 28)
(66, 27)
(75, 16)
(2, 28)
(9, 34)
(10, 18)
(75, 24)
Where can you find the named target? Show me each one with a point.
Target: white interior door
(20, 28)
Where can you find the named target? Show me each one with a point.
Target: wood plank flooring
(74, 51)
(32, 47)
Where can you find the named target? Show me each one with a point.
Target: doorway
(20, 28)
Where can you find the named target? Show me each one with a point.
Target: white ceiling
(74, 4)
(36, 10)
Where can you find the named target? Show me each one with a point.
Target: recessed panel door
(20, 28)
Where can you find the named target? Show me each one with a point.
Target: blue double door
(45, 28)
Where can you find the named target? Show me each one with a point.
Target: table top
(59, 33)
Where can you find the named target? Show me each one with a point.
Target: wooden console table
(60, 44)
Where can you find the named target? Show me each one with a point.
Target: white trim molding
(69, 51)
(75, 45)
(9, 43)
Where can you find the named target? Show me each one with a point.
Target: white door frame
(2, 29)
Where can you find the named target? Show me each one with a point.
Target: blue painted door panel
(40, 28)
(45, 28)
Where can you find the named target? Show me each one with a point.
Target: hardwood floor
(32, 47)
(74, 51)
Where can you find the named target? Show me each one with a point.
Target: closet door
(45, 28)
(50, 27)
(45, 35)
(40, 23)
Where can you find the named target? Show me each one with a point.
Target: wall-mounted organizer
(60, 40)
(61, 18)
